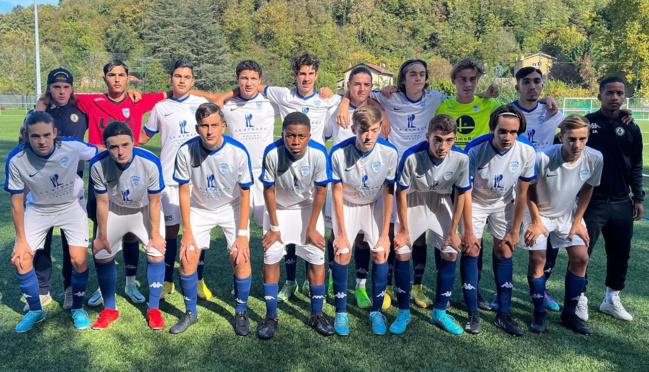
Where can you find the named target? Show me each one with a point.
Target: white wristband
(243, 233)
(274, 228)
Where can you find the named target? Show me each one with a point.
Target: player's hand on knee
(20, 252)
(341, 245)
(188, 246)
(387, 91)
(453, 240)
(158, 243)
(581, 231)
(99, 244)
(510, 241)
(402, 238)
(384, 242)
(240, 252)
(470, 243)
(315, 238)
(534, 230)
(270, 238)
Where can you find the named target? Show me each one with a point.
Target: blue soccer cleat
(445, 322)
(378, 323)
(400, 324)
(31, 318)
(80, 319)
(341, 324)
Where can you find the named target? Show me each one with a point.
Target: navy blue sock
(469, 276)
(170, 259)
(290, 261)
(317, 298)
(330, 253)
(270, 296)
(537, 291)
(155, 273)
(550, 260)
(107, 278)
(241, 292)
(78, 286)
(438, 258)
(340, 286)
(402, 283)
(201, 265)
(445, 282)
(131, 253)
(379, 282)
(29, 287)
(504, 282)
(574, 286)
(419, 256)
(362, 260)
(391, 258)
(189, 284)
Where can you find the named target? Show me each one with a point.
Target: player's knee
(155, 259)
(79, 264)
(536, 260)
(103, 260)
(343, 259)
(378, 257)
(579, 260)
(448, 256)
(24, 265)
(502, 251)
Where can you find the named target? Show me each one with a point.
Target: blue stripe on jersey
(181, 100)
(75, 139)
(477, 141)
(268, 149)
(150, 131)
(315, 145)
(297, 93)
(383, 142)
(423, 145)
(266, 90)
(250, 99)
(238, 144)
(155, 160)
(13, 153)
(95, 159)
(525, 141)
(182, 182)
(342, 144)
(515, 103)
(100, 191)
(457, 149)
(409, 100)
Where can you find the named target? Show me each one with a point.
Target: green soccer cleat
(288, 290)
(362, 299)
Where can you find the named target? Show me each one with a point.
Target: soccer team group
(409, 168)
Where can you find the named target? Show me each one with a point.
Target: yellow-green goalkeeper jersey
(472, 118)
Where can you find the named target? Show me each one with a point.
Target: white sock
(130, 280)
(360, 283)
(610, 293)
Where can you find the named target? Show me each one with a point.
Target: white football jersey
(128, 187)
(294, 179)
(335, 131)
(494, 174)
(215, 175)
(316, 108)
(418, 173)
(363, 175)
(51, 179)
(175, 120)
(540, 128)
(251, 122)
(408, 119)
(559, 182)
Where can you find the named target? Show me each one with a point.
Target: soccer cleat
(203, 293)
(549, 303)
(615, 309)
(582, 308)
(154, 318)
(378, 323)
(241, 324)
(362, 300)
(482, 303)
(46, 299)
(266, 330)
(106, 317)
(67, 299)
(445, 322)
(538, 322)
(494, 304)
(417, 294)
(31, 318)
(80, 319)
(508, 324)
(134, 294)
(330, 286)
(341, 324)
(167, 289)
(401, 322)
(572, 322)
(387, 300)
(321, 325)
(96, 299)
(184, 322)
(288, 289)
(306, 290)
(473, 325)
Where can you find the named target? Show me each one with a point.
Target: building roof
(376, 68)
(536, 55)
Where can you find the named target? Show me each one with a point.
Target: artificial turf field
(211, 344)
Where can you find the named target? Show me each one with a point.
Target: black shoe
(572, 321)
(241, 324)
(538, 322)
(483, 304)
(473, 324)
(184, 322)
(321, 325)
(266, 330)
(505, 321)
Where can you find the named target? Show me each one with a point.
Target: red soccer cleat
(154, 317)
(106, 317)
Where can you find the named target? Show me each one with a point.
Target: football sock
(170, 259)
(402, 283)
(317, 298)
(379, 282)
(241, 292)
(362, 260)
(78, 286)
(391, 259)
(155, 272)
(290, 261)
(131, 253)
(270, 296)
(574, 286)
(419, 256)
(504, 271)
(189, 284)
(29, 287)
(340, 286)
(330, 254)
(445, 281)
(469, 276)
(107, 278)
(537, 291)
(201, 265)
(550, 261)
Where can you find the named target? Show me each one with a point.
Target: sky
(7, 5)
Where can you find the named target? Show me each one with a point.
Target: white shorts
(558, 229)
(500, 220)
(293, 224)
(170, 199)
(72, 220)
(121, 221)
(428, 211)
(367, 218)
(257, 202)
(204, 220)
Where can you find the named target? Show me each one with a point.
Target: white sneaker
(46, 299)
(582, 308)
(615, 309)
(67, 301)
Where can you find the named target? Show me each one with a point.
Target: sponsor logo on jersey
(530, 135)
(305, 110)
(64, 161)
(594, 127)
(135, 180)
(210, 181)
(126, 112)
(583, 174)
(223, 168)
(619, 131)
(305, 169)
(125, 195)
(296, 183)
(183, 125)
(376, 166)
(249, 121)
(33, 174)
(55, 180)
(448, 175)
(74, 118)
(498, 179)
(465, 124)
(411, 119)
(365, 182)
(434, 185)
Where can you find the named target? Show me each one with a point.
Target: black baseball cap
(60, 75)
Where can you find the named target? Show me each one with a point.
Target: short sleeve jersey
(128, 187)
(316, 108)
(252, 123)
(335, 131)
(102, 111)
(294, 179)
(494, 174)
(541, 128)
(418, 173)
(70, 121)
(175, 120)
(363, 175)
(559, 182)
(408, 119)
(472, 118)
(51, 178)
(215, 175)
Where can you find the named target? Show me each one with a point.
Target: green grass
(212, 345)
